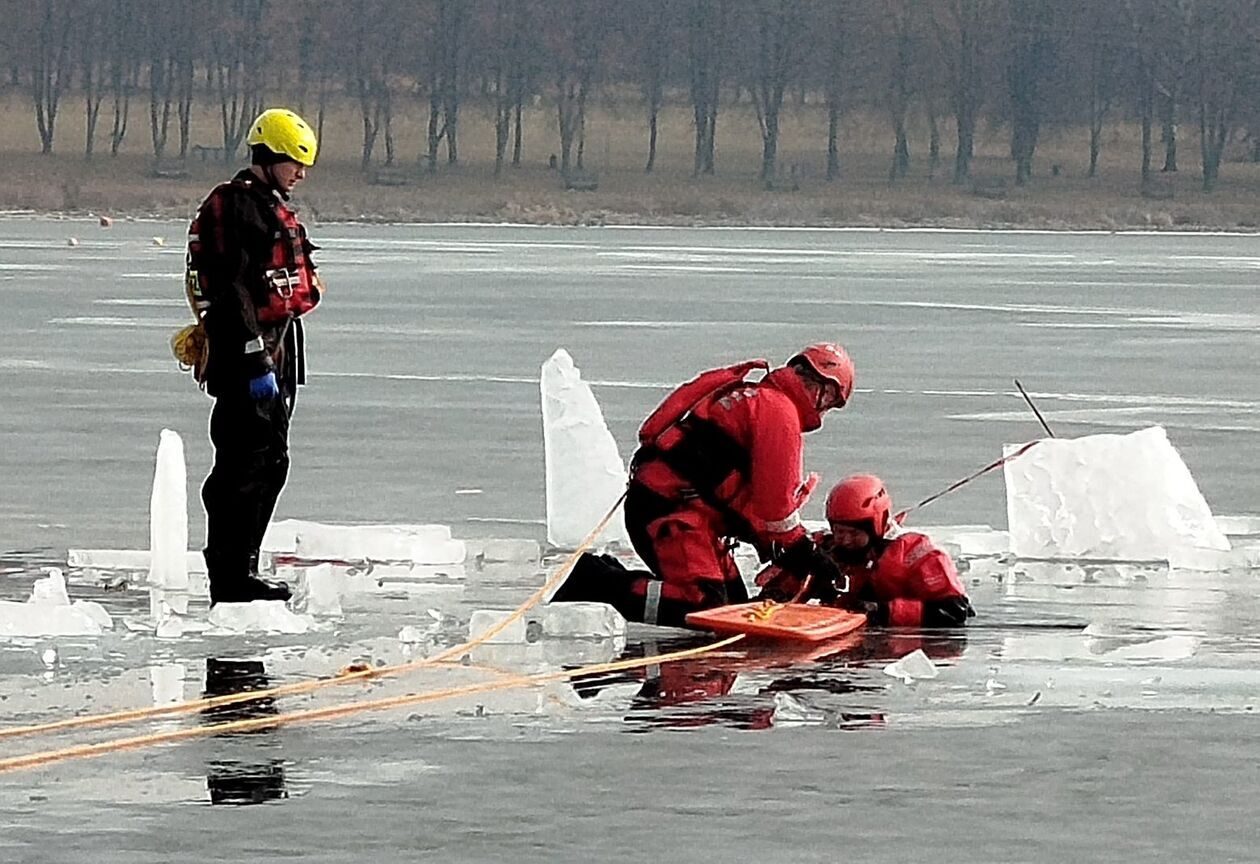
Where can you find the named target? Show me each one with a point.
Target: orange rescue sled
(786, 622)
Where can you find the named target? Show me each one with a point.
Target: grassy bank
(1059, 197)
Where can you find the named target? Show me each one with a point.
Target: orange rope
(344, 677)
(331, 712)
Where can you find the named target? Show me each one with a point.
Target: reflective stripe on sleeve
(792, 520)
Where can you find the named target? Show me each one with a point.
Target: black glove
(876, 613)
(950, 612)
(804, 559)
(796, 558)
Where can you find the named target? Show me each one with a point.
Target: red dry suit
(909, 583)
(729, 469)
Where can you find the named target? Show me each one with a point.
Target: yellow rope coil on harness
(191, 349)
(346, 709)
(346, 676)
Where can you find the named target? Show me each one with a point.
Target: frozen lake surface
(1094, 712)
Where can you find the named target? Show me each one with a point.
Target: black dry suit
(243, 246)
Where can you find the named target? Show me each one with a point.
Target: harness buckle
(283, 281)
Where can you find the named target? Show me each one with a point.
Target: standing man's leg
(274, 472)
(250, 465)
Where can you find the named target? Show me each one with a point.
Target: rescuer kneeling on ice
(719, 461)
(250, 279)
(897, 577)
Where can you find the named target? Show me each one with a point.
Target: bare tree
(832, 33)
(1225, 33)
(504, 56)
(124, 68)
(900, 23)
(161, 83)
(706, 30)
(964, 32)
(444, 64)
(52, 71)
(237, 49)
(93, 63)
(1099, 35)
(1031, 54)
(653, 63)
(778, 34)
(575, 51)
(374, 53)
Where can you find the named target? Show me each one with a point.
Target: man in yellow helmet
(251, 279)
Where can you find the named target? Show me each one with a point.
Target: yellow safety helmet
(284, 133)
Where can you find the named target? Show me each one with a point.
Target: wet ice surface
(1092, 712)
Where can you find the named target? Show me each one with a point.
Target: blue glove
(264, 387)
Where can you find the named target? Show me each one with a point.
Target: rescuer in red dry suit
(898, 577)
(250, 279)
(719, 460)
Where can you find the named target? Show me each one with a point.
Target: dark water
(1039, 740)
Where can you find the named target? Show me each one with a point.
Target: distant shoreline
(1179, 231)
(337, 192)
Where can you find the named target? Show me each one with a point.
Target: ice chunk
(943, 534)
(126, 559)
(1120, 497)
(51, 590)
(580, 621)
(33, 619)
(375, 578)
(168, 520)
(504, 550)
(169, 627)
(418, 544)
(584, 470)
(49, 612)
(484, 619)
(554, 621)
(977, 544)
(281, 536)
(1241, 557)
(323, 590)
(791, 711)
(268, 616)
(915, 665)
(1165, 649)
(96, 612)
(411, 635)
(1239, 525)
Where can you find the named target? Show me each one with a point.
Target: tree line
(1166, 65)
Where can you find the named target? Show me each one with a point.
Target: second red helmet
(861, 499)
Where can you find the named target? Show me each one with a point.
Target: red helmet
(863, 499)
(831, 362)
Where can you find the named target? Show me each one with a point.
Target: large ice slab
(317, 541)
(1118, 497)
(584, 470)
(50, 612)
